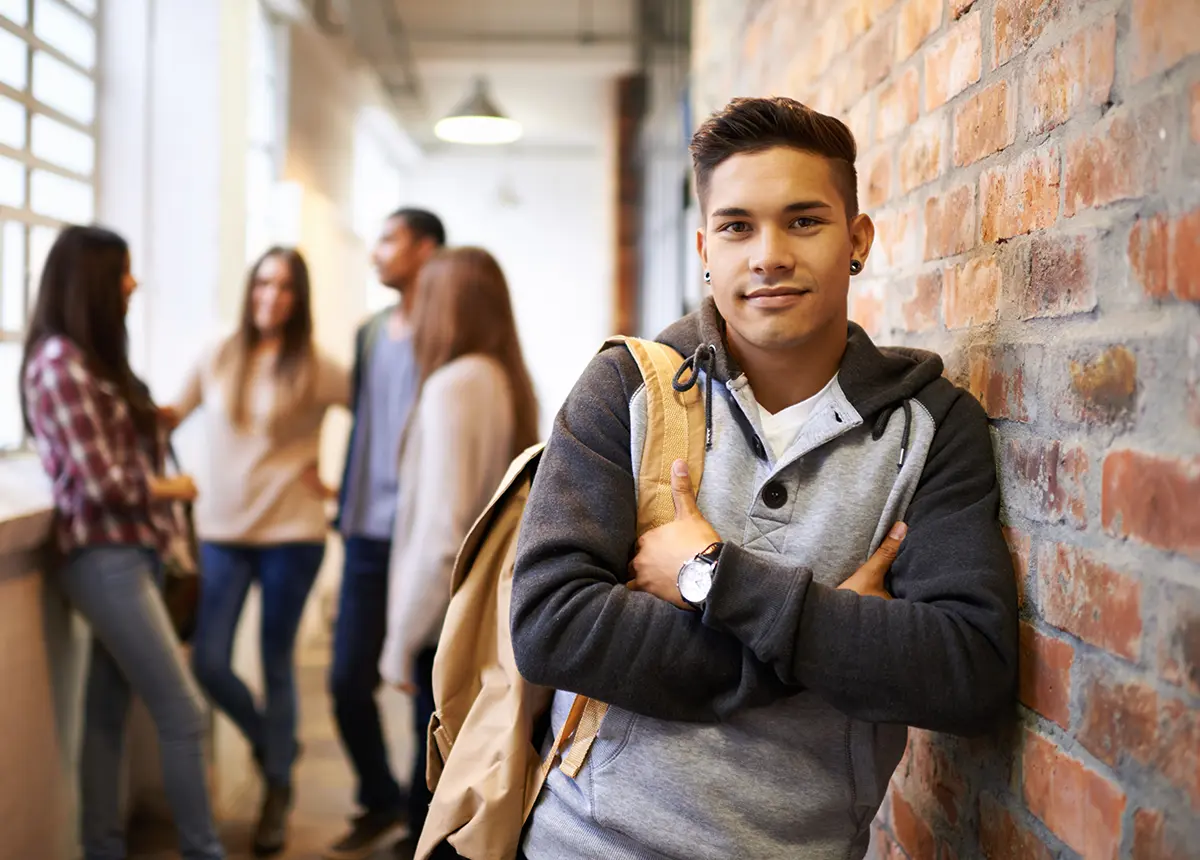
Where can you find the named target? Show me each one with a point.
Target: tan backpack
(484, 765)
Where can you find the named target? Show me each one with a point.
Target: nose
(772, 256)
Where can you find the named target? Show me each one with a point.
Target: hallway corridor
(324, 784)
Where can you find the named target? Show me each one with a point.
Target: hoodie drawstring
(881, 425)
(702, 359)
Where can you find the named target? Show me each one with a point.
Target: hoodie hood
(873, 379)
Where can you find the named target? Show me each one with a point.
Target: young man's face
(778, 247)
(399, 254)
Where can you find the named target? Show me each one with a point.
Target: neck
(268, 341)
(784, 377)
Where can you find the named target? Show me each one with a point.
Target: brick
(1017, 24)
(1045, 480)
(878, 179)
(858, 119)
(972, 294)
(1117, 161)
(1149, 244)
(1119, 720)
(911, 831)
(1179, 637)
(954, 62)
(866, 309)
(1002, 838)
(1076, 74)
(877, 53)
(1179, 747)
(919, 19)
(1083, 596)
(1185, 257)
(1154, 500)
(1019, 546)
(921, 311)
(929, 771)
(984, 125)
(1020, 197)
(1163, 33)
(1045, 675)
(1153, 840)
(1103, 388)
(950, 223)
(1061, 278)
(1079, 806)
(996, 377)
(899, 104)
(898, 236)
(921, 154)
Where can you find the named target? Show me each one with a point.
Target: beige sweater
(252, 492)
(456, 450)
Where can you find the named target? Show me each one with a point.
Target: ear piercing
(855, 267)
(707, 277)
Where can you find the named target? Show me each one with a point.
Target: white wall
(548, 220)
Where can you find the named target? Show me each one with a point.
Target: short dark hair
(755, 124)
(423, 223)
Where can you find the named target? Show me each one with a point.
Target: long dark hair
(80, 299)
(295, 358)
(463, 307)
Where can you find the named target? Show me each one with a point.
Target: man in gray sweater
(759, 694)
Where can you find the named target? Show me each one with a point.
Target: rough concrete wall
(1031, 166)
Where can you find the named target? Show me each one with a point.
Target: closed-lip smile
(773, 292)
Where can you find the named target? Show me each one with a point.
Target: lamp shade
(477, 120)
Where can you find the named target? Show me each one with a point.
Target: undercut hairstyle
(423, 224)
(756, 124)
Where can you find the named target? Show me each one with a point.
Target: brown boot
(271, 834)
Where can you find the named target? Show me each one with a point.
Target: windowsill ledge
(26, 504)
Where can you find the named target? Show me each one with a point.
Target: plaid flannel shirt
(93, 453)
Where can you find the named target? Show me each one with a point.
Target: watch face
(695, 581)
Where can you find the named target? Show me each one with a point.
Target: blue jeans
(134, 650)
(357, 645)
(285, 573)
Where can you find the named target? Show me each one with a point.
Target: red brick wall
(1033, 169)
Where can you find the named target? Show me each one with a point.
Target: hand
(177, 488)
(868, 579)
(168, 416)
(311, 478)
(661, 552)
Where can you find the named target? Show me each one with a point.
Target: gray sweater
(769, 726)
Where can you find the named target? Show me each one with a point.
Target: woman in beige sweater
(476, 410)
(261, 514)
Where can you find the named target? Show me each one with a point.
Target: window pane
(12, 277)
(64, 89)
(63, 145)
(61, 198)
(40, 241)
(14, 10)
(12, 123)
(11, 430)
(12, 182)
(63, 29)
(13, 58)
(87, 7)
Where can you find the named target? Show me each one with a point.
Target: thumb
(681, 490)
(886, 554)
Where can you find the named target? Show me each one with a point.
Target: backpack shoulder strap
(674, 430)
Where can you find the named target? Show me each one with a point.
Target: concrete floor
(324, 784)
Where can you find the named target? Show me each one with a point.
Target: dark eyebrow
(798, 206)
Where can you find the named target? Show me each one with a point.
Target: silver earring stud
(855, 267)
(708, 277)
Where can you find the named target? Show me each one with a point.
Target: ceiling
(549, 64)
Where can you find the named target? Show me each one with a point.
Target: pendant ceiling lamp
(477, 120)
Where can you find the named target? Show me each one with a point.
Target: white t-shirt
(782, 428)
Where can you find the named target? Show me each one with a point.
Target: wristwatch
(697, 576)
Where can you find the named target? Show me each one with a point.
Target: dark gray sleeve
(943, 655)
(575, 626)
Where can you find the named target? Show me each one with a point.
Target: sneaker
(271, 833)
(367, 831)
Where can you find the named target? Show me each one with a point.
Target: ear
(702, 247)
(862, 236)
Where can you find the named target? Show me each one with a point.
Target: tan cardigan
(252, 492)
(455, 452)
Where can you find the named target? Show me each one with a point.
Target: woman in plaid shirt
(98, 436)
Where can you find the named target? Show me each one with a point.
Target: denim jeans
(285, 574)
(354, 678)
(134, 650)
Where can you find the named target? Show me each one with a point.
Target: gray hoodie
(769, 725)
